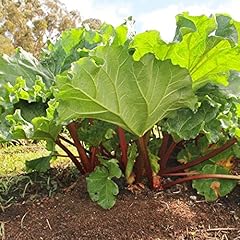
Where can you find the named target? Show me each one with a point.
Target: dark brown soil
(175, 214)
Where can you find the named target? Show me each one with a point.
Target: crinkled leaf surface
(76, 43)
(25, 65)
(228, 28)
(20, 128)
(207, 57)
(193, 151)
(184, 26)
(25, 87)
(187, 124)
(233, 88)
(102, 189)
(149, 42)
(132, 94)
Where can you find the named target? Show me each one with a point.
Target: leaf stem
(66, 140)
(200, 176)
(93, 158)
(180, 174)
(201, 158)
(167, 155)
(70, 155)
(81, 151)
(123, 147)
(163, 148)
(143, 155)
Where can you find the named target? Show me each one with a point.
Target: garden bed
(142, 214)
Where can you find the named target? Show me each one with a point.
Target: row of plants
(132, 105)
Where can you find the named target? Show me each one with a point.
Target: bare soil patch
(174, 214)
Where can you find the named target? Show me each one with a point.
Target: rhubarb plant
(133, 106)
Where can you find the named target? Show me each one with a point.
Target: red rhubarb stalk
(163, 147)
(200, 176)
(81, 151)
(71, 156)
(143, 153)
(202, 158)
(123, 147)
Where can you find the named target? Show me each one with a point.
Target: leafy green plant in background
(132, 104)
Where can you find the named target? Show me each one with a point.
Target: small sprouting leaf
(96, 132)
(101, 188)
(211, 189)
(132, 155)
(154, 159)
(113, 168)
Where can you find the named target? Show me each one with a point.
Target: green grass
(13, 158)
(16, 183)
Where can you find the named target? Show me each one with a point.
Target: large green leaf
(25, 65)
(132, 94)
(208, 57)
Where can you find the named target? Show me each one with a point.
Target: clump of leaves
(134, 101)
